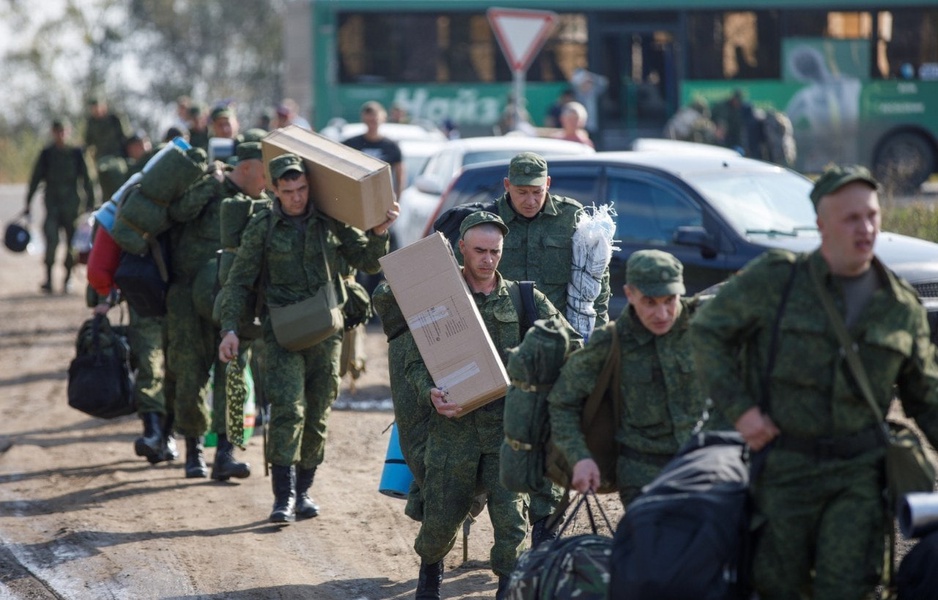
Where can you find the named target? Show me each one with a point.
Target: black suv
(713, 211)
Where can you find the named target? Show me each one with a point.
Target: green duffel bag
(146, 215)
(234, 215)
(533, 366)
(112, 173)
(169, 173)
(129, 237)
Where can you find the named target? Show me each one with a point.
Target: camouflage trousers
(147, 337)
(60, 216)
(822, 516)
(462, 462)
(635, 470)
(300, 387)
(190, 354)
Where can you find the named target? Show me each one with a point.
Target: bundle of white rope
(593, 244)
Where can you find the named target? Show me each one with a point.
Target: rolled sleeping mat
(138, 220)
(918, 514)
(396, 476)
(169, 173)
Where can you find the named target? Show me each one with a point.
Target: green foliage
(918, 219)
(18, 152)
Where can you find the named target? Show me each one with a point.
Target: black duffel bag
(144, 279)
(100, 379)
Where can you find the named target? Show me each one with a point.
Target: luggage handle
(584, 500)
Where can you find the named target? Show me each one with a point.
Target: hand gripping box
(345, 184)
(445, 322)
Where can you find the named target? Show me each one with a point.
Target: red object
(102, 262)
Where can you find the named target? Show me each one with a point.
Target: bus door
(643, 80)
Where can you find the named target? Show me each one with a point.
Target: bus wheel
(904, 161)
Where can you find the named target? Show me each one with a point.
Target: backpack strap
(609, 377)
(522, 298)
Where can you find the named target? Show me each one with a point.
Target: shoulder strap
(609, 378)
(262, 277)
(848, 347)
(765, 403)
(522, 298)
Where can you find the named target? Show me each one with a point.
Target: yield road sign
(521, 33)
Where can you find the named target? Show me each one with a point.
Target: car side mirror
(427, 185)
(694, 235)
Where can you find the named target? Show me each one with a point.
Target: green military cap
(655, 273)
(59, 124)
(285, 163)
(527, 168)
(254, 134)
(220, 111)
(481, 217)
(248, 151)
(836, 177)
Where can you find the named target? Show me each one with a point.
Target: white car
(339, 130)
(415, 154)
(419, 200)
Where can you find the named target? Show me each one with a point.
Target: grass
(917, 218)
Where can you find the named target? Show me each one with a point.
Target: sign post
(521, 35)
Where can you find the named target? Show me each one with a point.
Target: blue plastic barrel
(396, 477)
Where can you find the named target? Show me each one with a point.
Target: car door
(651, 210)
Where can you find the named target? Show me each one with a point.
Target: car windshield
(769, 203)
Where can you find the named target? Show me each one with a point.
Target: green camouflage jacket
(197, 225)
(662, 401)
(61, 169)
(295, 266)
(811, 392)
(541, 250)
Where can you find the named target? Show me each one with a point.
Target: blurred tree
(138, 54)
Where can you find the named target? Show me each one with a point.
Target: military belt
(534, 388)
(834, 447)
(518, 445)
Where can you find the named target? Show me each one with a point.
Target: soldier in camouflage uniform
(411, 415)
(661, 399)
(821, 489)
(462, 453)
(61, 166)
(193, 337)
(302, 385)
(539, 248)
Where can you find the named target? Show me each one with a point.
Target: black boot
(428, 584)
(195, 461)
(150, 444)
(283, 481)
(47, 286)
(540, 533)
(225, 465)
(169, 442)
(305, 507)
(502, 592)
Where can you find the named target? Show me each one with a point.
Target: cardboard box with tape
(429, 287)
(345, 184)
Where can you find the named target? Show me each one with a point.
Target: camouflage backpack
(567, 567)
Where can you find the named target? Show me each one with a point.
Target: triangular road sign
(521, 33)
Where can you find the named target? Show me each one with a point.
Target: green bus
(858, 79)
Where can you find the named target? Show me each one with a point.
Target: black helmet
(16, 237)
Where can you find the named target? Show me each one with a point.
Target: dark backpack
(687, 534)
(567, 567)
(100, 379)
(144, 279)
(917, 578)
(448, 223)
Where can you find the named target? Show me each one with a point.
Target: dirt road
(82, 517)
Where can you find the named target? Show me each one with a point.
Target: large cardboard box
(445, 322)
(345, 184)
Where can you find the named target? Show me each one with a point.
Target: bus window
(736, 45)
(907, 39)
